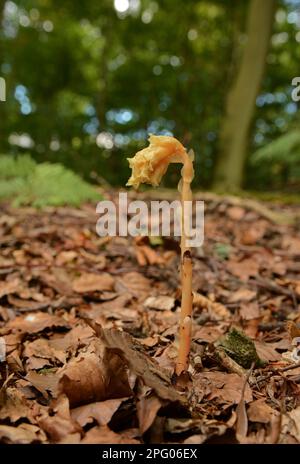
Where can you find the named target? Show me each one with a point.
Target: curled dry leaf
(266, 351)
(12, 341)
(44, 383)
(89, 282)
(59, 423)
(37, 322)
(161, 303)
(145, 255)
(226, 387)
(292, 244)
(139, 363)
(217, 310)
(147, 409)
(14, 362)
(24, 305)
(65, 257)
(80, 335)
(134, 283)
(23, 434)
(201, 429)
(250, 311)
(241, 416)
(108, 311)
(103, 435)
(94, 375)
(242, 294)
(58, 279)
(236, 213)
(44, 351)
(70, 439)
(260, 411)
(98, 259)
(101, 411)
(41, 352)
(291, 423)
(254, 233)
(8, 287)
(207, 334)
(177, 426)
(243, 269)
(14, 406)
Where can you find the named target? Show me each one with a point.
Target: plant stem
(185, 328)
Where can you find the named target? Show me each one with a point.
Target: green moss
(240, 348)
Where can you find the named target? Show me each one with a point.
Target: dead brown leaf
(226, 387)
(260, 411)
(101, 411)
(236, 213)
(134, 283)
(40, 353)
(243, 269)
(94, 375)
(291, 423)
(242, 294)
(44, 383)
(37, 322)
(139, 362)
(147, 409)
(14, 406)
(160, 303)
(8, 287)
(23, 434)
(250, 311)
(207, 334)
(59, 423)
(253, 233)
(266, 352)
(217, 310)
(103, 435)
(89, 282)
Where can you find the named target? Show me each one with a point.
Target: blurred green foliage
(222, 250)
(281, 157)
(45, 184)
(87, 81)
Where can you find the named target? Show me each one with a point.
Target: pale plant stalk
(185, 324)
(148, 166)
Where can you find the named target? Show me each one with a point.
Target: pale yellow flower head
(150, 164)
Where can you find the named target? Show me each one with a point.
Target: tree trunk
(241, 99)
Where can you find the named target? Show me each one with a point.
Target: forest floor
(90, 330)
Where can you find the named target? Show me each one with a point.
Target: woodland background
(90, 324)
(87, 81)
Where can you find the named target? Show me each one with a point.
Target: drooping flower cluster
(150, 164)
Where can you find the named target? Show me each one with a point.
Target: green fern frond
(43, 184)
(285, 149)
(11, 166)
(11, 188)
